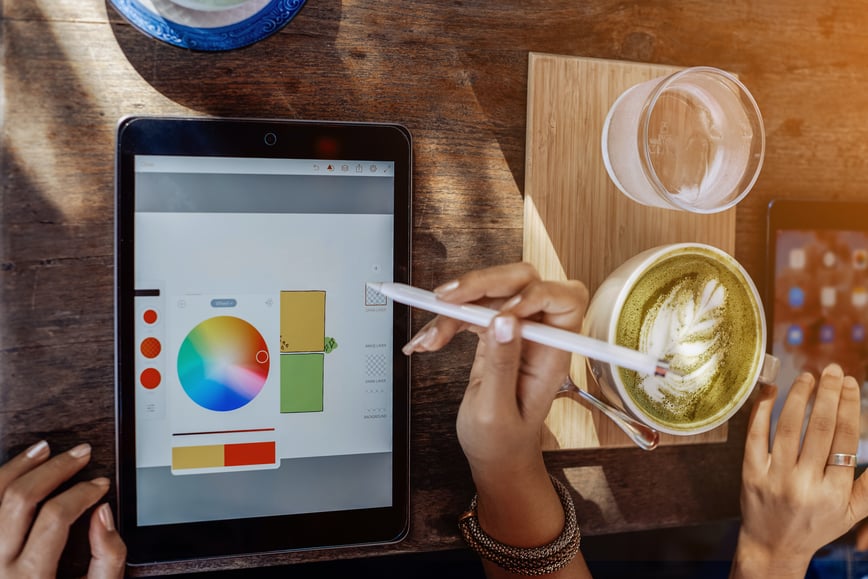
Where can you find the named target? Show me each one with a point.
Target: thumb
(859, 498)
(756, 452)
(497, 387)
(107, 549)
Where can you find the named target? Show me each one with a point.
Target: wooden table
(455, 73)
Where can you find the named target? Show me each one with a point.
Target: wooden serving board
(578, 225)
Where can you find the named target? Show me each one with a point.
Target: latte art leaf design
(682, 330)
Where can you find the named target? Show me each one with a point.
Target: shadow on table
(701, 552)
(266, 79)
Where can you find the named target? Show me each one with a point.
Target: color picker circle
(221, 364)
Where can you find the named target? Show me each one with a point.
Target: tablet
(261, 394)
(817, 303)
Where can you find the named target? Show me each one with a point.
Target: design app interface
(263, 362)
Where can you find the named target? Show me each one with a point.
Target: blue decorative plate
(208, 24)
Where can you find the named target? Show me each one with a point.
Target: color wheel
(223, 363)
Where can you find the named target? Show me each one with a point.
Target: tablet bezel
(258, 139)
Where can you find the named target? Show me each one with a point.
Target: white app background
(251, 258)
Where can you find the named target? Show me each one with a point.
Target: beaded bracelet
(525, 561)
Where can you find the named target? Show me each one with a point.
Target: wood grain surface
(455, 73)
(578, 225)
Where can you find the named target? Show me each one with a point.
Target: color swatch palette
(301, 382)
(302, 350)
(223, 363)
(302, 321)
(223, 455)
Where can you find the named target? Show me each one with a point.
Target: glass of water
(693, 141)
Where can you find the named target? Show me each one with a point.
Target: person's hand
(792, 502)
(32, 538)
(511, 388)
(512, 383)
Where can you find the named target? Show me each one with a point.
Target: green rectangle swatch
(301, 382)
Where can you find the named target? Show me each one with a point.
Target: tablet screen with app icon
(817, 292)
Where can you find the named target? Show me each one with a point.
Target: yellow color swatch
(302, 321)
(197, 456)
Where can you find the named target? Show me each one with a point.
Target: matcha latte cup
(694, 307)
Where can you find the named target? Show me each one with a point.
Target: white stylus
(533, 331)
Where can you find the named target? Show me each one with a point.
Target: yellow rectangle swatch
(302, 321)
(209, 456)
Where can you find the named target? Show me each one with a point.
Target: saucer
(208, 25)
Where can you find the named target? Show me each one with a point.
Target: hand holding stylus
(511, 388)
(535, 332)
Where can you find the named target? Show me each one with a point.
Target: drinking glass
(692, 141)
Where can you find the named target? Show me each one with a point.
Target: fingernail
(833, 370)
(504, 329)
(101, 481)
(80, 450)
(106, 518)
(429, 337)
(446, 287)
(511, 303)
(416, 341)
(37, 449)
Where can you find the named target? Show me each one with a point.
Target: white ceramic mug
(721, 293)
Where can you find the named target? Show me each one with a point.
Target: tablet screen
(264, 368)
(818, 258)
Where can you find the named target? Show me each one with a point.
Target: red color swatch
(244, 454)
(150, 378)
(149, 316)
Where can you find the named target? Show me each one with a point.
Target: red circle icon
(151, 347)
(150, 316)
(150, 378)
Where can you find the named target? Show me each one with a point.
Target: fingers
(846, 435)
(107, 549)
(433, 335)
(25, 481)
(12, 504)
(496, 391)
(560, 304)
(21, 496)
(22, 463)
(756, 452)
(51, 528)
(785, 449)
(859, 498)
(500, 281)
(824, 418)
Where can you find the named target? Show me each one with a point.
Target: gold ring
(841, 459)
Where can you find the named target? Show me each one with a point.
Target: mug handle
(769, 371)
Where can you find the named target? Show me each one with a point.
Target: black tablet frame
(263, 138)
